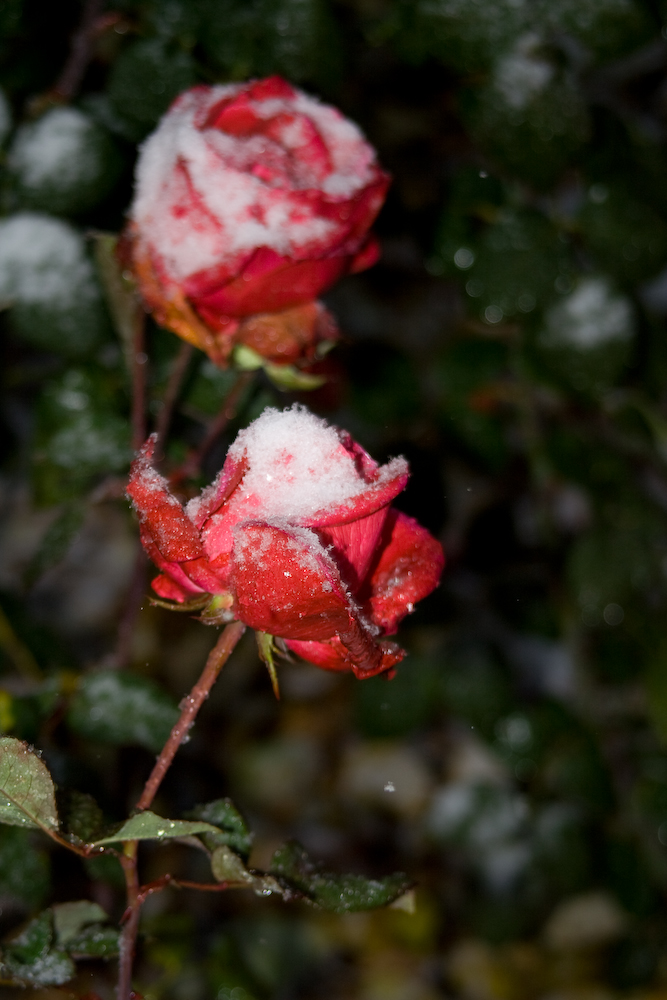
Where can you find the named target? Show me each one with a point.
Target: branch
(176, 376)
(189, 708)
(192, 465)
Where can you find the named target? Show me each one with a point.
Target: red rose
(250, 198)
(296, 538)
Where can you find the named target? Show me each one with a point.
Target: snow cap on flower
(297, 538)
(250, 198)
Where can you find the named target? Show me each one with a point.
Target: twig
(192, 464)
(176, 376)
(139, 363)
(189, 708)
(128, 937)
(81, 51)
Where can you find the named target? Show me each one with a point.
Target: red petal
(214, 496)
(165, 587)
(205, 576)
(286, 585)
(271, 86)
(408, 570)
(354, 546)
(333, 655)
(272, 283)
(367, 256)
(173, 570)
(390, 482)
(171, 530)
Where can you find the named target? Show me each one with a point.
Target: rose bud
(295, 537)
(251, 199)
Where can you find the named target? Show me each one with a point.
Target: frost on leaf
(27, 796)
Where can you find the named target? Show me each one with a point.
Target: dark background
(512, 344)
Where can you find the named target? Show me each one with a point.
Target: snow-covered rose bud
(250, 199)
(296, 537)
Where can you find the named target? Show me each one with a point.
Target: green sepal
(267, 650)
(291, 379)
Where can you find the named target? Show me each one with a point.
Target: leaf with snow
(336, 893)
(231, 829)
(31, 958)
(114, 706)
(27, 795)
(148, 826)
(80, 930)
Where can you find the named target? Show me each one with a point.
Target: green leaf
(113, 706)
(30, 957)
(231, 828)
(148, 826)
(81, 170)
(69, 919)
(144, 80)
(27, 795)
(82, 817)
(24, 870)
(95, 942)
(228, 867)
(336, 893)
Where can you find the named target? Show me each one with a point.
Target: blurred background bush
(512, 343)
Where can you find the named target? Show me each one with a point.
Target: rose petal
(165, 587)
(354, 545)
(171, 530)
(264, 289)
(285, 583)
(212, 497)
(173, 570)
(408, 569)
(332, 655)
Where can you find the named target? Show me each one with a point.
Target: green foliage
(147, 826)
(121, 708)
(62, 163)
(41, 955)
(144, 80)
(232, 830)
(336, 893)
(297, 38)
(27, 796)
(24, 868)
(34, 958)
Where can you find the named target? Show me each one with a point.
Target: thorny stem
(176, 377)
(191, 466)
(189, 708)
(128, 937)
(81, 50)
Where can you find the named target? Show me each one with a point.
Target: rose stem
(176, 376)
(189, 709)
(139, 363)
(227, 412)
(81, 51)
